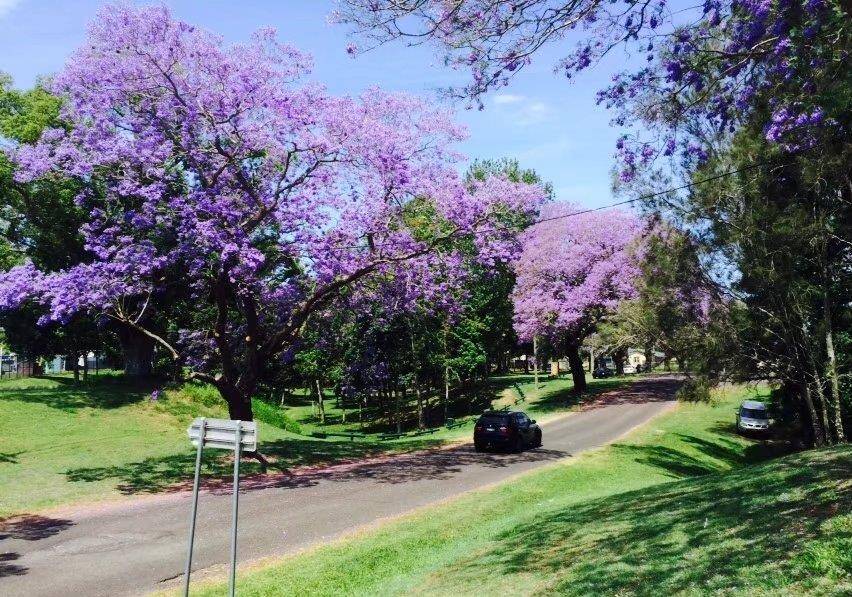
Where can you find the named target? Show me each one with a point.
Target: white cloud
(6, 6)
(533, 112)
(501, 99)
(520, 109)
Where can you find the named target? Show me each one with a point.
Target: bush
(694, 389)
(273, 415)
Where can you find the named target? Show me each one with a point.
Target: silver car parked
(753, 416)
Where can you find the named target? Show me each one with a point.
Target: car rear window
(494, 419)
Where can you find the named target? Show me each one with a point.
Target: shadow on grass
(108, 392)
(714, 533)
(10, 457)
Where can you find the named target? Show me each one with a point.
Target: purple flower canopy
(573, 269)
(704, 62)
(215, 166)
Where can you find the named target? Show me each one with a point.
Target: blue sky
(546, 123)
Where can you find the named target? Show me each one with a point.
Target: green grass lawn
(63, 443)
(682, 505)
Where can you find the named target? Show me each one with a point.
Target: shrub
(694, 389)
(273, 415)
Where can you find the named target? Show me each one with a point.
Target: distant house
(636, 357)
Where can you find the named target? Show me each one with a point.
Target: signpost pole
(237, 453)
(194, 508)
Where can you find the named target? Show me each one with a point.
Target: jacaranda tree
(234, 201)
(705, 62)
(573, 270)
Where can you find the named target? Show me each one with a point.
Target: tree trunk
(834, 381)
(817, 432)
(85, 367)
(649, 358)
(619, 356)
(239, 408)
(396, 407)
(421, 418)
(578, 372)
(76, 367)
(535, 360)
(320, 402)
(138, 351)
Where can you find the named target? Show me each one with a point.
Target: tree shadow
(609, 392)
(724, 454)
(7, 569)
(10, 457)
(175, 472)
(316, 461)
(110, 392)
(433, 465)
(712, 534)
(32, 527)
(26, 527)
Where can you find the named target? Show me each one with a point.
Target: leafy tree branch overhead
(224, 182)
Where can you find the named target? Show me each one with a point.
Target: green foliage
(273, 415)
(694, 390)
(41, 223)
(830, 554)
(509, 168)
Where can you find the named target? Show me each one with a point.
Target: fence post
(194, 508)
(237, 453)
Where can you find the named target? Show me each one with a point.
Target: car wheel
(537, 443)
(478, 448)
(519, 446)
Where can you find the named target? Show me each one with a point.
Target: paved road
(134, 548)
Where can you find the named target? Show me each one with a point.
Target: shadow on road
(432, 465)
(169, 474)
(641, 391)
(27, 527)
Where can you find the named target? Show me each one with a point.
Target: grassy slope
(672, 508)
(62, 443)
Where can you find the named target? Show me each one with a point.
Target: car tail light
(478, 428)
(504, 430)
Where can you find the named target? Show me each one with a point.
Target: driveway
(131, 548)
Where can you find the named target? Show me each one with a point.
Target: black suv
(506, 430)
(602, 373)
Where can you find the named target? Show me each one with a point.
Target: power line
(594, 209)
(650, 195)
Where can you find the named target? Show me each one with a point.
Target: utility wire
(594, 209)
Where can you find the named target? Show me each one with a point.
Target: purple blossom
(574, 269)
(233, 177)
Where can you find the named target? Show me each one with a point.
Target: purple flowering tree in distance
(572, 271)
(708, 63)
(231, 201)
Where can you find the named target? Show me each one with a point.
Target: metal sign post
(228, 435)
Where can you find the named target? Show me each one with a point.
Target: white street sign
(230, 435)
(222, 433)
